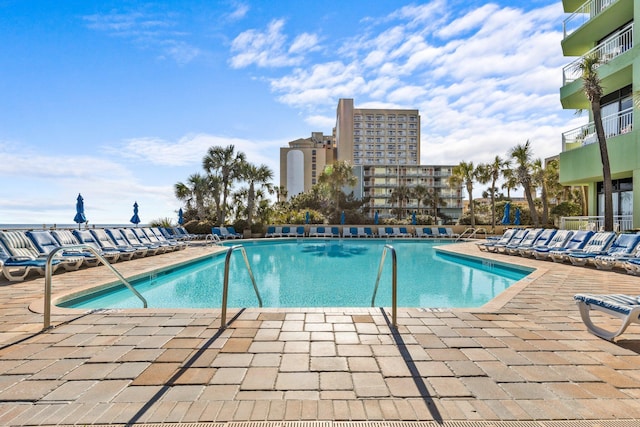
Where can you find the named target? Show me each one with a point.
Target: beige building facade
(383, 145)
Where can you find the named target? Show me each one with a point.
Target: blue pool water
(319, 273)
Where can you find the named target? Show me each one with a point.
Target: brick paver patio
(526, 356)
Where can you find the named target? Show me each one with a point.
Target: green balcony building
(604, 28)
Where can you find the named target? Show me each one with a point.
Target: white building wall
(295, 173)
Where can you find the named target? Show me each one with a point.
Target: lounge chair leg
(598, 331)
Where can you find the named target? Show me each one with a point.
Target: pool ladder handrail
(472, 233)
(394, 283)
(225, 288)
(48, 275)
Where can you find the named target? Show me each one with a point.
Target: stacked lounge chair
(542, 239)
(623, 245)
(17, 263)
(598, 243)
(558, 241)
(503, 240)
(529, 238)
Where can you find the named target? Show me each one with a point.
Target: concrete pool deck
(526, 359)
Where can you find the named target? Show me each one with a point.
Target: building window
(622, 197)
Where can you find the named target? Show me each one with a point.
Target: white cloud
(240, 11)
(147, 30)
(268, 48)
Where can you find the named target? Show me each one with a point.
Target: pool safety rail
(471, 233)
(394, 283)
(225, 288)
(48, 275)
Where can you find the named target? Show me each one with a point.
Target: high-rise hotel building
(383, 145)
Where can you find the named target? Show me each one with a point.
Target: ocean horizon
(64, 226)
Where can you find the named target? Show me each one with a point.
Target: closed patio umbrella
(80, 217)
(342, 218)
(507, 213)
(307, 217)
(414, 220)
(517, 220)
(375, 218)
(135, 219)
(180, 218)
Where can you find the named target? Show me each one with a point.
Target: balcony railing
(595, 223)
(614, 125)
(610, 48)
(587, 11)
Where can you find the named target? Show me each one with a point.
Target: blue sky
(119, 100)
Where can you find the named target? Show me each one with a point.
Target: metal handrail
(394, 283)
(48, 275)
(225, 289)
(472, 233)
(215, 239)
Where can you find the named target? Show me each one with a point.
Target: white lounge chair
(624, 307)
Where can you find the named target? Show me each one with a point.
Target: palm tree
(335, 177)
(463, 175)
(224, 163)
(491, 172)
(510, 180)
(196, 189)
(539, 180)
(255, 176)
(401, 194)
(433, 200)
(593, 90)
(522, 155)
(420, 192)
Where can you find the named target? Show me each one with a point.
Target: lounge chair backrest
(624, 243)
(102, 238)
(544, 237)
(117, 237)
(130, 236)
(153, 238)
(140, 235)
(507, 236)
(442, 231)
(519, 236)
(65, 237)
(18, 244)
(335, 231)
(427, 231)
(449, 231)
(579, 239)
(86, 238)
(599, 241)
(312, 230)
(286, 230)
(43, 240)
(217, 231)
(531, 236)
(560, 239)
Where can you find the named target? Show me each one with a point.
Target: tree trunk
(471, 209)
(532, 206)
(545, 206)
(493, 206)
(606, 167)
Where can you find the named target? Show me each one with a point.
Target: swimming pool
(319, 273)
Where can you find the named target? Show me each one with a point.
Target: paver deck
(525, 358)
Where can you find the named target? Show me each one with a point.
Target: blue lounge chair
(424, 232)
(131, 238)
(144, 238)
(626, 246)
(286, 231)
(160, 237)
(45, 243)
(273, 231)
(333, 232)
(558, 241)
(108, 247)
(350, 232)
(368, 232)
(232, 231)
(527, 241)
(541, 240)
(598, 244)
(16, 268)
(405, 232)
(504, 240)
(624, 307)
(121, 243)
(516, 239)
(67, 238)
(577, 241)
